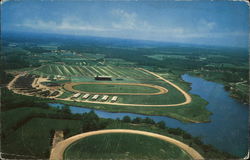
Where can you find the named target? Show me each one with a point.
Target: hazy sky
(198, 22)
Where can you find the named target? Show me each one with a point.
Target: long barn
(103, 78)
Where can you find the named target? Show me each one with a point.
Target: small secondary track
(58, 150)
(69, 87)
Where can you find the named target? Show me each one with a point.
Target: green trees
(66, 110)
(137, 120)
(91, 122)
(126, 119)
(161, 125)
(148, 120)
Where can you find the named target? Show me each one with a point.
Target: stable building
(103, 78)
(95, 97)
(86, 96)
(76, 95)
(104, 98)
(114, 98)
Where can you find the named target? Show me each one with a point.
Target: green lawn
(111, 88)
(123, 146)
(13, 116)
(33, 138)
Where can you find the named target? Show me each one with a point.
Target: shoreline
(184, 120)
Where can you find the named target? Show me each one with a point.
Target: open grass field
(8, 120)
(117, 88)
(123, 146)
(33, 138)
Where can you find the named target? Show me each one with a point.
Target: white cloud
(67, 24)
(128, 21)
(204, 25)
(129, 25)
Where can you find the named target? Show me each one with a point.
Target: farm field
(123, 146)
(91, 71)
(27, 141)
(161, 57)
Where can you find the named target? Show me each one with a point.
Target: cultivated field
(91, 71)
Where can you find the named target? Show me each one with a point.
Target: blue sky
(223, 23)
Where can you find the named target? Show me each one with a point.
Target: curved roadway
(58, 151)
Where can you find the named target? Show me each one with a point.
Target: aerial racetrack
(152, 91)
(33, 83)
(65, 147)
(161, 90)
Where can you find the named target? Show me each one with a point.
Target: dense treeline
(215, 61)
(10, 100)
(5, 78)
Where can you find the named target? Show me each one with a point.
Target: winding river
(228, 129)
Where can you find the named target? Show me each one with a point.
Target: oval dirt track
(58, 150)
(69, 87)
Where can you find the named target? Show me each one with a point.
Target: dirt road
(186, 95)
(58, 150)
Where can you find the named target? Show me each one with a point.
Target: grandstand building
(103, 78)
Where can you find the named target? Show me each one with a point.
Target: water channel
(228, 129)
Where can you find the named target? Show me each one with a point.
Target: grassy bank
(238, 88)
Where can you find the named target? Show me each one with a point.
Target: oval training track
(69, 87)
(58, 150)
